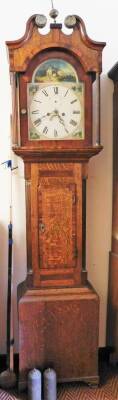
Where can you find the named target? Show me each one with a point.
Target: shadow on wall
(17, 265)
(19, 247)
(3, 285)
(99, 206)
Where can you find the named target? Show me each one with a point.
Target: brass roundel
(70, 21)
(40, 20)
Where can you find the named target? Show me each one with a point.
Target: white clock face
(56, 111)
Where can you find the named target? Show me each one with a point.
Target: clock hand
(61, 120)
(55, 113)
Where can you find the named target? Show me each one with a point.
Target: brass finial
(53, 13)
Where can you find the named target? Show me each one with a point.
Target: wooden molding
(21, 51)
(40, 154)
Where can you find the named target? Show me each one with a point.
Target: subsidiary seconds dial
(55, 111)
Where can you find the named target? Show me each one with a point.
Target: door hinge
(75, 252)
(16, 79)
(75, 198)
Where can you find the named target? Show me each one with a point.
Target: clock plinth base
(58, 328)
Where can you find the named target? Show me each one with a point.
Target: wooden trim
(54, 154)
(98, 109)
(84, 224)
(28, 225)
(21, 51)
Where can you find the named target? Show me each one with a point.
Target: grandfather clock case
(52, 79)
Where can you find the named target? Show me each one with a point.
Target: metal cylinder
(50, 384)
(34, 385)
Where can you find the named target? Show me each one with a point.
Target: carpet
(6, 396)
(108, 391)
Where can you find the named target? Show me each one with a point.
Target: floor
(107, 390)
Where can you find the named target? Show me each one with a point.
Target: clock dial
(56, 111)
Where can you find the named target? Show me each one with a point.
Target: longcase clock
(52, 79)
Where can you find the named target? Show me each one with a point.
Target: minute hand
(62, 122)
(55, 113)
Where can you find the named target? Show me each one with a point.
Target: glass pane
(56, 111)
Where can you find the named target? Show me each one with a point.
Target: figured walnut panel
(15, 122)
(71, 320)
(58, 215)
(56, 223)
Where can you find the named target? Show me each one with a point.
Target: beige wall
(101, 24)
